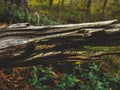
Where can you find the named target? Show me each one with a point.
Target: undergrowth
(84, 76)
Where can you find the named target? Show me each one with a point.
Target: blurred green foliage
(11, 13)
(37, 19)
(75, 11)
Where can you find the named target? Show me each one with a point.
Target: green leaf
(99, 85)
(42, 78)
(90, 75)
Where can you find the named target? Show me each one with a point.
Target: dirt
(15, 79)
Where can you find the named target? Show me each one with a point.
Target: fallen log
(24, 45)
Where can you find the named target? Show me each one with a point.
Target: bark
(22, 44)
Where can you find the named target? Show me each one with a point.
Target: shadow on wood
(24, 45)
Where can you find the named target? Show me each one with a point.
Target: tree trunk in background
(88, 6)
(88, 9)
(24, 6)
(103, 8)
(62, 4)
(59, 3)
(50, 3)
(71, 1)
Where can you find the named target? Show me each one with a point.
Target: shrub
(11, 13)
(37, 19)
(86, 76)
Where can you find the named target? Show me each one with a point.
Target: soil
(15, 79)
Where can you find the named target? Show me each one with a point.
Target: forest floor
(15, 79)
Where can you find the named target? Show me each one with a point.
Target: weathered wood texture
(24, 45)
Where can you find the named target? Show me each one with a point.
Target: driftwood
(24, 45)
